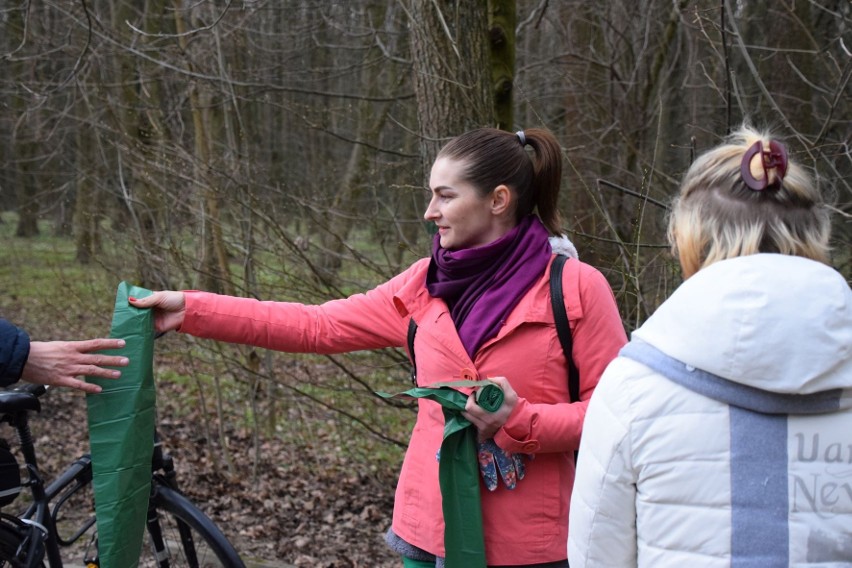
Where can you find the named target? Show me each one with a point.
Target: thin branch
(446, 28)
(633, 193)
(761, 85)
(617, 242)
(79, 62)
(215, 79)
(839, 211)
(839, 95)
(25, 33)
(727, 60)
(186, 33)
(536, 14)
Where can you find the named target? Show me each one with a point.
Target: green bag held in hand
(458, 470)
(121, 436)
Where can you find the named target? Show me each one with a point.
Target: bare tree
(501, 34)
(450, 56)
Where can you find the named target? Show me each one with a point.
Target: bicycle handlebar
(31, 388)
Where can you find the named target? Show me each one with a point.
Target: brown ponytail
(495, 157)
(547, 178)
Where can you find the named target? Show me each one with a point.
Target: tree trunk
(24, 136)
(503, 19)
(214, 266)
(452, 82)
(86, 205)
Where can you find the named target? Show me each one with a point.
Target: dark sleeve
(14, 350)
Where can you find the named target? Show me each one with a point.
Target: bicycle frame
(38, 514)
(42, 513)
(35, 531)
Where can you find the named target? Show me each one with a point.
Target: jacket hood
(773, 323)
(563, 245)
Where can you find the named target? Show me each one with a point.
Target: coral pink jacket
(526, 525)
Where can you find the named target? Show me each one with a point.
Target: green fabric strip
(121, 436)
(458, 469)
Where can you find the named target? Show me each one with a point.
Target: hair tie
(521, 138)
(775, 157)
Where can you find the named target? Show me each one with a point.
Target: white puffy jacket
(722, 434)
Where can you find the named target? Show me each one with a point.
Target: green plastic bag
(121, 436)
(458, 470)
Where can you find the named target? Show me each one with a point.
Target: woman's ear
(501, 200)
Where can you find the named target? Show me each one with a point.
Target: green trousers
(409, 563)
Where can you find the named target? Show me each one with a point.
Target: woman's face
(463, 217)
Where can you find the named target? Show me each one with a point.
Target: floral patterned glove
(492, 458)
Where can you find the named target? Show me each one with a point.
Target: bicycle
(179, 533)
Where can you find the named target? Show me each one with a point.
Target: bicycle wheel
(10, 545)
(18, 544)
(180, 535)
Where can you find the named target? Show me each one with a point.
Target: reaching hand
(493, 459)
(59, 363)
(169, 308)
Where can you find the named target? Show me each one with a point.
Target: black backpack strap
(412, 331)
(563, 330)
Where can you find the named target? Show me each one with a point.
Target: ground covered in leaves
(285, 504)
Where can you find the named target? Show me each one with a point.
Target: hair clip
(775, 157)
(521, 138)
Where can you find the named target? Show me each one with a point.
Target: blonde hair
(717, 216)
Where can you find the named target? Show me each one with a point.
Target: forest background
(279, 149)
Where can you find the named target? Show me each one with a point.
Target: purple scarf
(482, 285)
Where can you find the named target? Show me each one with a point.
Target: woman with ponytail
(482, 306)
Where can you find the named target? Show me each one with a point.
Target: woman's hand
(487, 423)
(169, 309)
